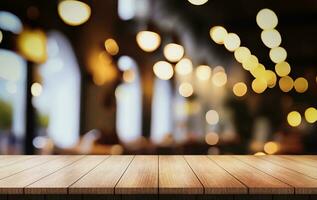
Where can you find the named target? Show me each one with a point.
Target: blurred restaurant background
(158, 77)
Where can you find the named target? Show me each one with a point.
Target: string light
(241, 54)
(173, 52)
(163, 70)
(218, 34)
(250, 63)
(73, 12)
(219, 78)
(271, 38)
(203, 72)
(258, 71)
(259, 85)
(266, 19)
(212, 117)
(240, 89)
(286, 83)
(311, 115)
(282, 68)
(294, 118)
(301, 85)
(111, 46)
(184, 67)
(185, 89)
(232, 41)
(278, 54)
(148, 41)
(270, 78)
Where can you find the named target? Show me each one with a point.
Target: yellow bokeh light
(211, 138)
(128, 76)
(270, 78)
(163, 70)
(32, 45)
(278, 54)
(219, 78)
(1, 36)
(259, 85)
(218, 69)
(259, 154)
(286, 83)
(203, 72)
(218, 34)
(212, 117)
(294, 118)
(74, 12)
(266, 19)
(282, 68)
(148, 41)
(184, 67)
(258, 71)
(198, 2)
(232, 42)
(173, 52)
(301, 85)
(36, 89)
(311, 115)
(271, 38)
(111, 46)
(185, 89)
(241, 54)
(250, 63)
(271, 147)
(240, 89)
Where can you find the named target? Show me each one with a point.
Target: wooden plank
(58, 182)
(293, 165)
(303, 159)
(15, 184)
(257, 181)
(303, 184)
(214, 178)
(102, 179)
(176, 177)
(24, 165)
(141, 177)
(9, 160)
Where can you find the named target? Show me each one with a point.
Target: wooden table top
(158, 175)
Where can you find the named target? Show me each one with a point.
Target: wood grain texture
(257, 181)
(9, 160)
(15, 184)
(141, 177)
(176, 177)
(303, 159)
(58, 182)
(303, 184)
(293, 165)
(102, 179)
(214, 178)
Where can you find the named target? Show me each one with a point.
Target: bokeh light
(278, 54)
(219, 78)
(1, 36)
(184, 67)
(212, 117)
(128, 76)
(163, 70)
(271, 38)
(294, 118)
(203, 72)
(148, 41)
(74, 12)
(282, 69)
(218, 34)
(250, 63)
(211, 138)
(173, 52)
(186, 89)
(260, 154)
(232, 41)
(311, 115)
(271, 147)
(197, 2)
(266, 19)
(258, 71)
(259, 85)
(270, 78)
(301, 85)
(286, 83)
(36, 89)
(240, 89)
(111, 46)
(241, 54)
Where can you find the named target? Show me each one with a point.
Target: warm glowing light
(212, 117)
(163, 70)
(219, 78)
(116, 149)
(218, 69)
(148, 41)
(270, 78)
(184, 67)
(286, 83)
(240, 89)
(203, 72)
(282, 69)
(186, 89)
(301, 85)
(271, 38)
(311, 115)
(250, 63)
(32, 45)
(259, 85)
(259, 154)
(198, 2)
(232, 41)
(1, 36)
(266, 19)
(294, 118)
(36, 89)
(278, 54)
(73, 12)
(111, 46)
(218, 34)
(271, 147)
(211, 138)
(128, 76)
(242, 54)
(173, 52)
(258, 71)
